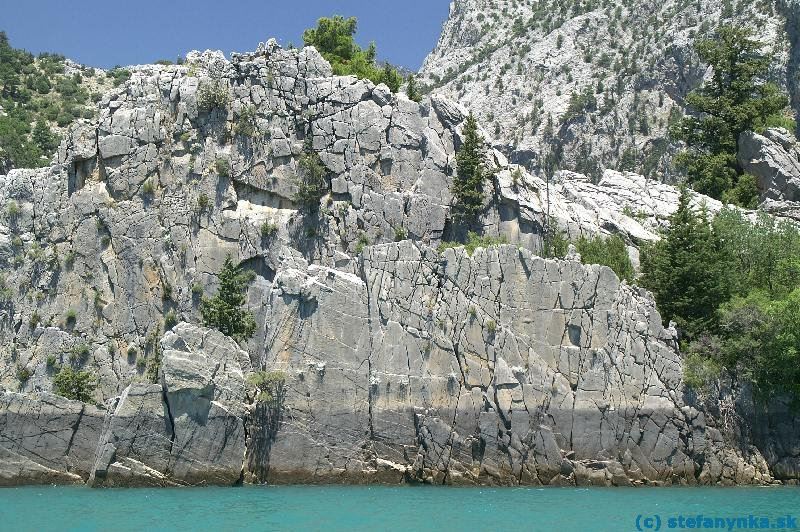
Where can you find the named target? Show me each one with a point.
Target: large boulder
(774, 159)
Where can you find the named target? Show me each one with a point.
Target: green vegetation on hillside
(738, 98)
(36, 97)
(311, 182)
(474, 241)
(609, 251)
(333, 38)
(733, 288)
(225, 311)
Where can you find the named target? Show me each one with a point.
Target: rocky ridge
(518, 64)
(401, 363)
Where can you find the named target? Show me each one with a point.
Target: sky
(105, 33)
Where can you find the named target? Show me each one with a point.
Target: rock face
(189, 429)
(519, 65)
(774, 159)
(399, 362)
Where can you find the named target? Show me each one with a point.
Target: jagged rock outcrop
(400, 362)
(774, 159)
(517, 65)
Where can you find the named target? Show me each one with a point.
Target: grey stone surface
(401, 363)
(774, 159)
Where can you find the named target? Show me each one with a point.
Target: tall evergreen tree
(468, 185)
(685, 271)
(738, 98)
(225, 311)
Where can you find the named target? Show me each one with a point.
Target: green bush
(203, 202)
(269, 385)
(777, 120)
(119, 75)
(333, 38)
(610, 251)
(148, 188)
(153, 366)
(79, 353)
(363, 242)
(222, 167)
(225, 311)
(76, 385)
(761, 341)
(268, 229)
(212, 95)
(474, 241)
(700, 372)
(23, 374)
(246, 123)
(170, 320)
(311, 183)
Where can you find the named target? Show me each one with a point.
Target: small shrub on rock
(212, 95)
(76, 385)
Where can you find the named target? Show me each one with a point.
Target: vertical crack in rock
(74, 427)
(370, 328)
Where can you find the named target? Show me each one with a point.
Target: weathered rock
(187, 430)
(774, 159)
(46, 439)
(401, 363)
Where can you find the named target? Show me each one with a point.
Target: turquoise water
(378, 508)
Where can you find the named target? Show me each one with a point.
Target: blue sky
(105, 33)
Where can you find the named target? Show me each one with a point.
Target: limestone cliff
(401, 363)
(520, 64)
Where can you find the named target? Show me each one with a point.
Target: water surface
(378, 508)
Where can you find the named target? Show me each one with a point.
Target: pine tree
(225, 311)
(736, 99)
(334, 39)
(686, 271)
(468, 184)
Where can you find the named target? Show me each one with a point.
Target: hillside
(591, 85)
(39, 98)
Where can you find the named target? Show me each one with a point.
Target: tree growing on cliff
(685, 271)
(225, 311)
(738, 98)
(333, 38)
(75, 385)
(610, 251)
(412, 89)
(468, 185)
